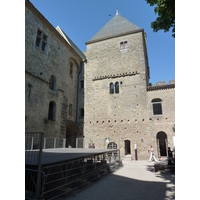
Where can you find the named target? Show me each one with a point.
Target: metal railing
(99, 143)
(34, 189)
(54, 180)
(65, 178)
(33, 148)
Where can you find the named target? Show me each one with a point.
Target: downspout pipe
(81, 66)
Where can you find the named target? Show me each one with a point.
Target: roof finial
(117, 11)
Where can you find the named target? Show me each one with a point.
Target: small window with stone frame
(70, 109)
(71, 69)
(111, 88)
(117, 87)
(41, 40)
(52, 111)
(157, 106)
(123, 45)
(82, 113)
(52, 82)
(82, 83)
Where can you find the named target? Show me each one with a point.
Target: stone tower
(117, 105)
(116, 77)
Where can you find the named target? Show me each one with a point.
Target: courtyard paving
(135, 180)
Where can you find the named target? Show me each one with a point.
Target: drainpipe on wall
(81, 66)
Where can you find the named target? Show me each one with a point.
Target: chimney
(117, 11)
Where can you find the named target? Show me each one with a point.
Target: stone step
(127, 158)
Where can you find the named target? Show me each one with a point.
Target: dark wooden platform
(57, 155)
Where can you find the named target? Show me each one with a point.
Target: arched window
(157, 106)
(81, 112)
(117, 87)
(52, 82)
(52, 111)
(111, 88)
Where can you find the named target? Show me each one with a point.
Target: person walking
(152, 154)
(170, 157)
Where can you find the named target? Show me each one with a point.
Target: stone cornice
(160, 87)
(115, 76)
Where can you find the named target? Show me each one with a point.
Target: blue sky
(82, 19)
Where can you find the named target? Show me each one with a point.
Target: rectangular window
(44, 42)
(157, 109)
(71, 69)
(123, 45)
(41, 40)
(82, 84)
(38, 39)
(70, 109)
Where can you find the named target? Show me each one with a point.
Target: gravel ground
(135, 180)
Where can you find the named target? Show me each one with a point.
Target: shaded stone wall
(40, 66)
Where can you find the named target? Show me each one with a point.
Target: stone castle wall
(40, 66)
(127, 115)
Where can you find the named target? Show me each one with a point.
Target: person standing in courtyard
(152, 154)
(170, 157)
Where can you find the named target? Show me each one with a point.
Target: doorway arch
(127, 145)
(162, 144)
(71, 136)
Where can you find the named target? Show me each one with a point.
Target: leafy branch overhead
(166, 15)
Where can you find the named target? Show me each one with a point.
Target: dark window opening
(52, 82)
(41, 40)
(111, 88)
(70, 109)
(71, 69)
(82, 113)
(123, 45)
(44, 42)
(52, 111)
(82, 84)
(157, 106)
(116, 87)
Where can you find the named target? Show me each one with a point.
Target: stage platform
(63, 170)
(58, 155)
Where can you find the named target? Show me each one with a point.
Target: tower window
(157, 106)
(123, 45)
(111, 88)
(116, 87)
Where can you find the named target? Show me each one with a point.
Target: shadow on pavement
(114, 187)
(166, 175)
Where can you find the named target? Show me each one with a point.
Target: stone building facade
(119, 101)
(53, 68)
(103, 95)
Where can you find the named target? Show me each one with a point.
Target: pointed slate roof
(117, 26)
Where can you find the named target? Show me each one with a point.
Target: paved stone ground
(135, 180)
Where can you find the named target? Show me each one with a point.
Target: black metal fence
(65, 178)
(34, 177)
(33, 148)
(54, 180)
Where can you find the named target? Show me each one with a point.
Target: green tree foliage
(166, 15)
